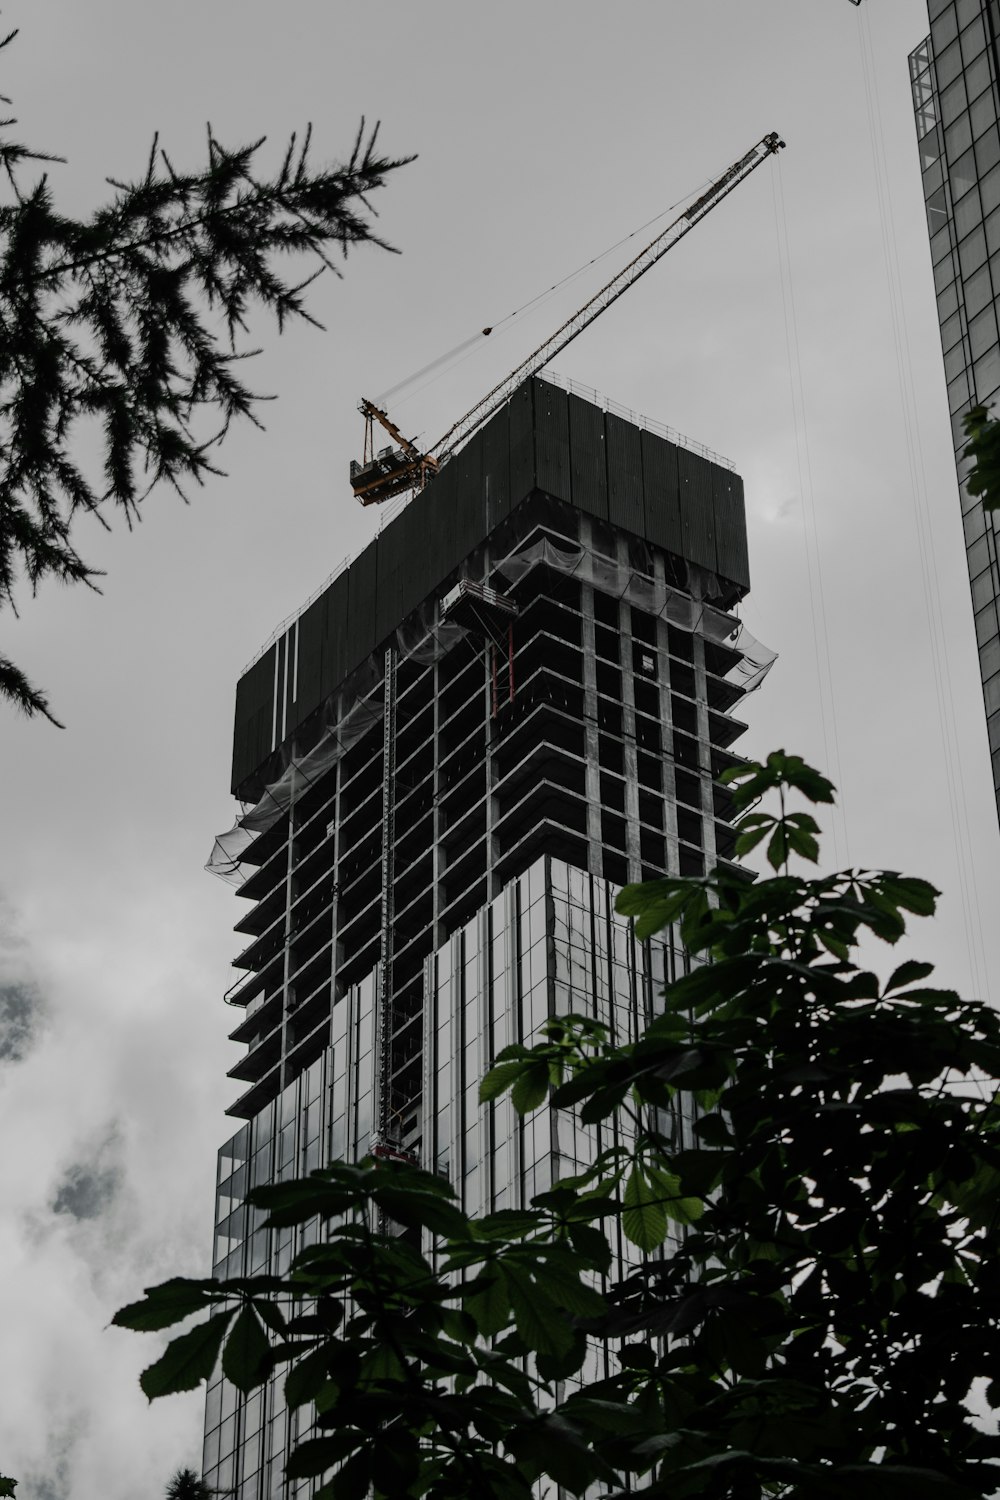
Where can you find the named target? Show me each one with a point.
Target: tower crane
(395, 469)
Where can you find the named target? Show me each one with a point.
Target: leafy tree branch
(813, 1308)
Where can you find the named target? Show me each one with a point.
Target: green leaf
(499, 1079)
(170, 1302)
(531, 1088)
(592, 1244)
(7, 1488)
(246, 1359)
(644, 1221)
(305, 1379)
(188, 1360)
(539, 1323)
(316, 1455)
(777, 849)
(917, 896)
(420, 1210)
(745, 842)
(654, 904)
(490, 1306)
(907, 973)
(507, 1223)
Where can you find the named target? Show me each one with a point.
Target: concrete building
(954, 77)
(514, 701)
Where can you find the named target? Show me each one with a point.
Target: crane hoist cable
(392, 470)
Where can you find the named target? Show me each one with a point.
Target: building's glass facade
(551, 943)
(954, 77)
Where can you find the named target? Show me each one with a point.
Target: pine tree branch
(106, 321)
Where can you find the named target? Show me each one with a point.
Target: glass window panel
(978, 292)
(989, 190)
(953, 105)
(930, 149)
(974, 524)
(987, 150)
(983, 332)
(986, 374)
(940, 245)
(982, 591)
(973, 40)
(944, 29)
(951, 331)
(993, 232)
(989, 658)
(986, 622)
(977, 81)
(967, 10)
(962, 175)
(937, 7)
(948, 65)
(979, 556)
(972, 253)
(993, 729)
(947, 302)
(958, 391)
(967, 215)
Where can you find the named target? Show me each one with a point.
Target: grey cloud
(88, 1187)
(21, 1015)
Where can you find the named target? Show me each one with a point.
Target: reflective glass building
(516, 700)
(954, 77)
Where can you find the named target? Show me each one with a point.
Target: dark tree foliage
(983, 447)
(185, 1485)
(818, 1312)
(111, 322)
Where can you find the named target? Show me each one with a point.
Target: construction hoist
(402, 466)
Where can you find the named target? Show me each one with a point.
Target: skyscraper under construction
(517, 699)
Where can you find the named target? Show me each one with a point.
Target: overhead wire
(956, 789)
(810, 529)
(463, 349)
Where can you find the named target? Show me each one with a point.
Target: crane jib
(393, 470)
(727, 177)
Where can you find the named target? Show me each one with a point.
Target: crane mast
(394, 471)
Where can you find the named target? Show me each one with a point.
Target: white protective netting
(423, 637)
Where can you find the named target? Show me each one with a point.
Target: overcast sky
(545, 132)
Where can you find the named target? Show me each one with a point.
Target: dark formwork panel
(660, 489)
(312, 629)
(522, 441)
(360, 635)
(625, 497)
(279, 684)
(552, 456)
(254, 717)
(732, 558)
(496, 468)
(391, 560)
(291, 685)
(697, 515)
(461, 526)
(335, 634)
(588, 459)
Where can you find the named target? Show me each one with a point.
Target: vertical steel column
(629, 746)
(383, 1112)
(288, 989)
(671, 851)
(704, 752)
(592, 768)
